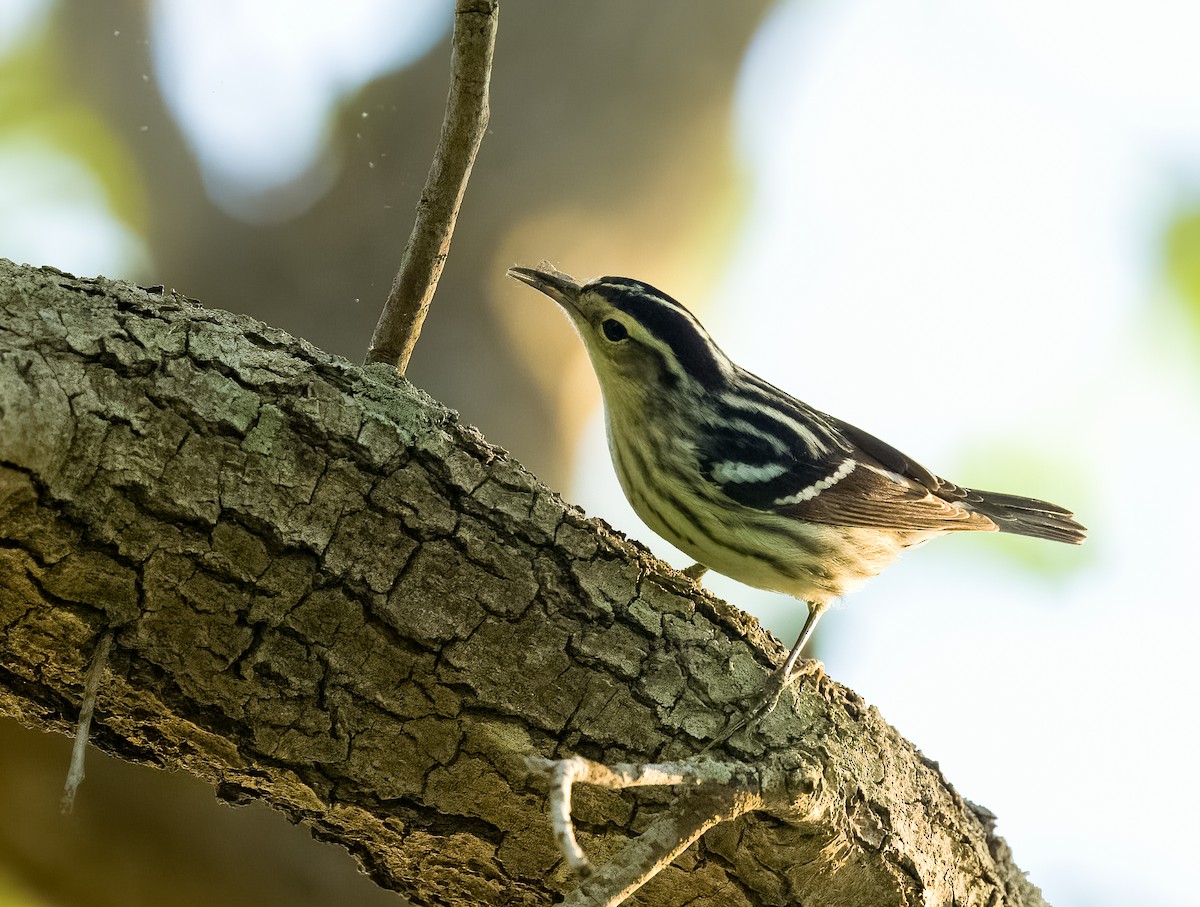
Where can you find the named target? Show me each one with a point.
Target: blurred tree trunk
(630, 173)
(329, 595)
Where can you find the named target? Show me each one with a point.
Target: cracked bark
(328, 594)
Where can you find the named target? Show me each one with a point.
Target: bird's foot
(765, 701)
(695, 572)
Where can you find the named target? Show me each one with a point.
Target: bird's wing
(867, 495)
(857, 480)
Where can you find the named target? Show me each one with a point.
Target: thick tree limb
(462, 132)
(326, 593)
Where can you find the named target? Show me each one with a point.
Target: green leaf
(1182, 253)
(35, 104)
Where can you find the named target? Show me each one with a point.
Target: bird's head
(638, 338)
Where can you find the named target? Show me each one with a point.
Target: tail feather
(1028, 516)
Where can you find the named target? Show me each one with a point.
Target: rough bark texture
(330, 595)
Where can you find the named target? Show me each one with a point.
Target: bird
(746, 479)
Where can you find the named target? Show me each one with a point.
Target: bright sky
(954, 239)
(300, 58)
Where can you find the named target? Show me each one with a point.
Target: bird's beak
(562, 288)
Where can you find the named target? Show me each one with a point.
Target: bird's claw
(765, 702)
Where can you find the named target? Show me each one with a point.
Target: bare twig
(82, 730)
(564, 773)
(656, 848)
(719, 792)
(462, 130)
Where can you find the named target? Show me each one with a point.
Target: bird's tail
(1028, 516)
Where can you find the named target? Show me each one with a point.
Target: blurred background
(971, 228)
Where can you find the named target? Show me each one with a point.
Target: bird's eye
(614, 330)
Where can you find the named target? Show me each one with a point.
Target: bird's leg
(788, 671)
(780, 679)
(694, 572)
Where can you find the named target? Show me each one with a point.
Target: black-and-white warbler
(748, 480)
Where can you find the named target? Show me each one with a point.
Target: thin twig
(563, 774)
(90, 687)
(462, 130)
(718, 792)
(656, 848)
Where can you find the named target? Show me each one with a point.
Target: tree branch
(83, 728)
(719, 792)
(462, 131)
(326, 593)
